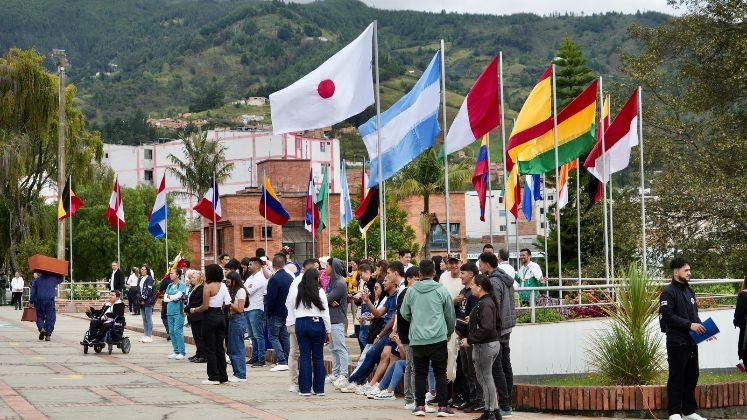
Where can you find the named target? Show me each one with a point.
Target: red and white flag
(115, 213)
(619, 138)
(338, 89)
(480, 111)
(209, 205)
(312, 219)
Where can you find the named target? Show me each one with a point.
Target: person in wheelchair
(103, 320)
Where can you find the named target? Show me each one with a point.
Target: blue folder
(711, 330)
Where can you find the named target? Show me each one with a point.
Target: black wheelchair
(112, 337)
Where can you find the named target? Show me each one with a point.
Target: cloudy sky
(540, 7)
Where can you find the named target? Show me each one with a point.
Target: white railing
(614, 284)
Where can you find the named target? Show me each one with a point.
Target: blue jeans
(279, 338)
(372, 357)
(393, 375)
(176, 328)
(339, 351)
(310, 334)
(147, 313)
(236, 348)
(46, 316)
(363, 336)
(255, 321)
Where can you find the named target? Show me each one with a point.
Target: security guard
(679, 316)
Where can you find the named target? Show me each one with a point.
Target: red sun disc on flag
(326, 88)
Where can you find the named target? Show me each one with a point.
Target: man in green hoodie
(430, 310)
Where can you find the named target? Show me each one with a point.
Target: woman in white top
(132, 283)
(214, 296)
(16, 288)
(236, 326)
(312, 331)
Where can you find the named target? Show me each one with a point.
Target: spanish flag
(69, 202)
(270, 207)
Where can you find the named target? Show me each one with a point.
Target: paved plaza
(56, 380)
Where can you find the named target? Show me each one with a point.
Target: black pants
(214, 335)
(15, 299)
(434, 355)
(742, 346)
(197, 336)
(683, 377)
(503, 373)
(132, 300)
(164, 317)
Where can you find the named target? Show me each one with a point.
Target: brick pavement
(40, 380)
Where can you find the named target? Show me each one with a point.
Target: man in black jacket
(116, 278)
(679, 316)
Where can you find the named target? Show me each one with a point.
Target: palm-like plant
(204, 158)
(425, 177)
(628, 352)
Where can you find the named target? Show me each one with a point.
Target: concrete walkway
(56, 380)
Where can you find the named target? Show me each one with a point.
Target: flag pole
(264, 200)
(578, 223)
(166, 233)
(503, 143)
(382, 204)
(605, 163)
(547, 220)
(446, 154)
(70, 209)
(557, 173)
(329, 228)
(119, 259)
(643, 192)
(215, 222)
(612, 233)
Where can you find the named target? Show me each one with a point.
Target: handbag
(29, 314)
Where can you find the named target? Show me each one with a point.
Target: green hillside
(163, 57)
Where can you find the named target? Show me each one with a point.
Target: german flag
(369, 208)
(69, 202)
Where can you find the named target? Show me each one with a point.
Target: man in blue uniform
(43, 290)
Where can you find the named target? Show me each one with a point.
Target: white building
(146, 164)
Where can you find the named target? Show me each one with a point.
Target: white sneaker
(385, 395)
(279, 368)
(410, 406)
(147, 339)
(235, 379)
(430, 409)
(675, 417)
(330, 379)
(179, 357)
(429, 397)
(694, 416)
(293, 388)
(142, 339)
(360, 390)
(351, 388)
(373, 392)
(173, 356)
(209, 382)
(340, 382)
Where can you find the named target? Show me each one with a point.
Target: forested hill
(162, 57)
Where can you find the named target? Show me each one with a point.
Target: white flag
(338, 89)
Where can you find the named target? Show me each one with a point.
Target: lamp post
(61, 60)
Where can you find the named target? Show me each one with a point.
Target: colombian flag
(270, 207)
(69, 202)
(480, 176)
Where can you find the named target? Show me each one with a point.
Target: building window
(549, 197)
(502, 228)
(267, 232)
(438, 235)
(148, 175)
(322, 146)
(542, 210)
(208, 234)
(502, 213)
(106, 155)
(500, 200)
(247, 233)
(148, 154)
(542, 225)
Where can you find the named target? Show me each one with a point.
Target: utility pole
(61, 59)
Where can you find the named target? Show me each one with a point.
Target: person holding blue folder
(679, 316)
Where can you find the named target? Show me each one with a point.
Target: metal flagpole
(578, 222)
(557, 173)
(264, 200)
(119, 259)
(605, 163)
(166, 234)
(329, 228)
(503, 142)
(612, 233)
(490, 195)
(382, 204)
(215, 223)
(70, 216)
(643, 192)
(347, 249)
(547, 220)
(446, 155)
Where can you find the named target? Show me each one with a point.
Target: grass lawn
(594, 379)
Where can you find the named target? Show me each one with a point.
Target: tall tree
(203, 160)
(425, 177)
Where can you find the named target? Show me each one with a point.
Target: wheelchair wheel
(110, 348)
(85, 349)
(125, 345)
(98, 347)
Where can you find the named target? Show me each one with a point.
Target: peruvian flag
(619, 138)
(115, 213)
(480, 111)
(209, 205)
(338, 89)
(311, 222)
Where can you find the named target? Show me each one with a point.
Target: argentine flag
(409, 127)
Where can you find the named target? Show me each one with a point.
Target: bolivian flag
(69, 202)
(270, 207)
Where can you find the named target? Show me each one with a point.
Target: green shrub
(628, 351)
(541, 315)
(85, 293)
